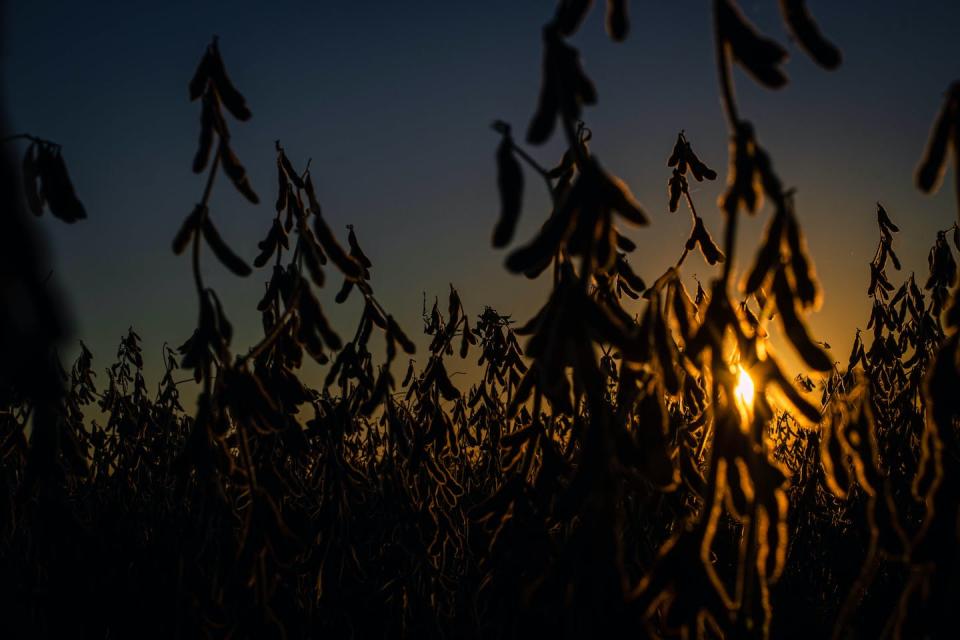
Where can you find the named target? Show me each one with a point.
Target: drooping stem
(197, 276)
(693, 212)
(536, 167)
(729, 242)
(733, 122)
(693, 209)
(724, 71)
(248, 461)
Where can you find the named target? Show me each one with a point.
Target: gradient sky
(393, 101)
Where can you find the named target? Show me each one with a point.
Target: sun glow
(745, 389)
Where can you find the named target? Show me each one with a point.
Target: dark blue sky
(393, 102)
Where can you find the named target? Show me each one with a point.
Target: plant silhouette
(632, 457)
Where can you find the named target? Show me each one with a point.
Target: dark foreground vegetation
(656, 472)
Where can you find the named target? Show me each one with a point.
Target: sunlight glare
(745, 389)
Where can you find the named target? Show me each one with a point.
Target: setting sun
(745, 389)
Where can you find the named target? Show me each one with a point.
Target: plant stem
(733, 121)
(280, 323)
(197, 276)
(728, 246)
(693, 211)
(723, 70)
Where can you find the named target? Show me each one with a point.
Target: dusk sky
(393, 102)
